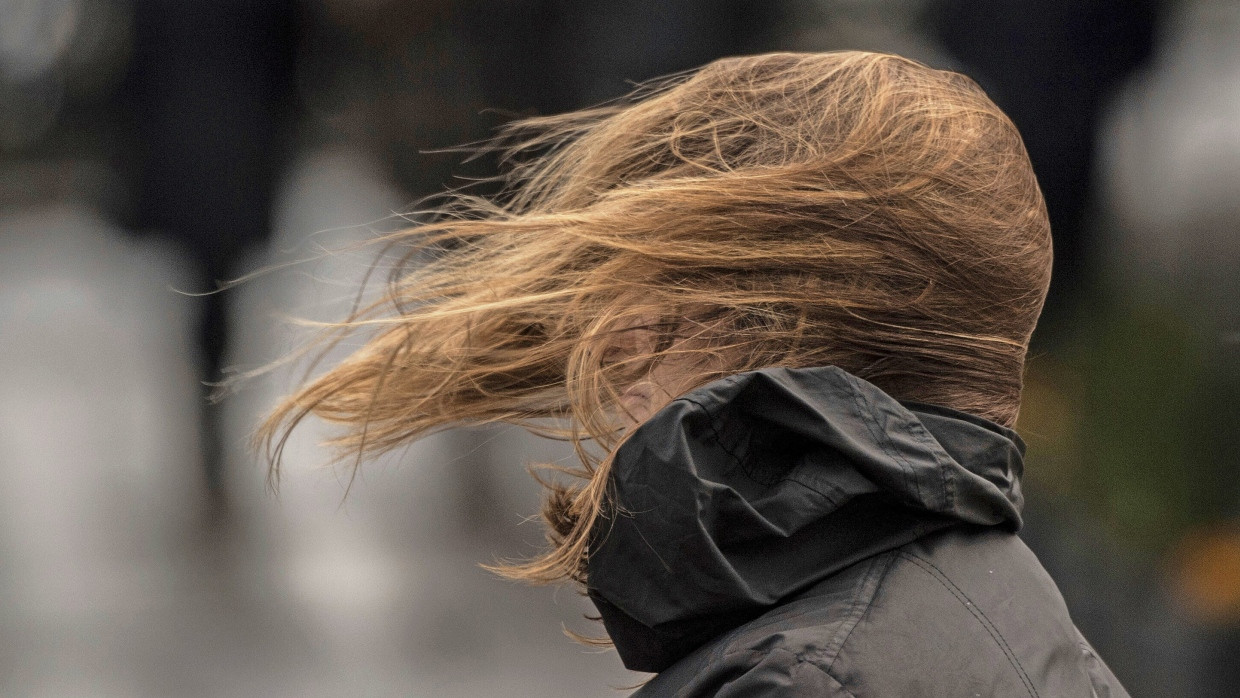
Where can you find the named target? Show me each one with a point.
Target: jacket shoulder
(959, 613)
(969, 612)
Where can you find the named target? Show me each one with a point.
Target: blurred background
(150, 148)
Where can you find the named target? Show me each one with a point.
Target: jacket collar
(755, 487)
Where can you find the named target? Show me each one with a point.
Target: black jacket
(801, 533)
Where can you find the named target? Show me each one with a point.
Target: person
(781, 306)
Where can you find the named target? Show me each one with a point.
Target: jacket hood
(753, 488)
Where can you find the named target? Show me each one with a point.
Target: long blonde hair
(852, 209)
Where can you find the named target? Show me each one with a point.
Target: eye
(611, 357)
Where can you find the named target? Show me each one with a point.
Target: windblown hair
(851, 209)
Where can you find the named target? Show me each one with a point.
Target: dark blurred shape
(556, 55)
(33, 44)
(210, 86)
(1052, 65)
(28, 110)
(427, 76)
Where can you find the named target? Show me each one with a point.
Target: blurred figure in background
(210, 93)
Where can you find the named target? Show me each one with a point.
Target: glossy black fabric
(800, 532)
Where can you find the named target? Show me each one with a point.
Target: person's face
(676, 373)
(668, 379)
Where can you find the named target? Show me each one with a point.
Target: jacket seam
(710, 421)
(866, 412)
(977, 613)
(835, 648)
(945, 474)
(799, 659)
(826, 671)
(878, 568)
(740, 462)
(755, 625)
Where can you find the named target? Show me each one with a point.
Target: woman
(781, 305)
